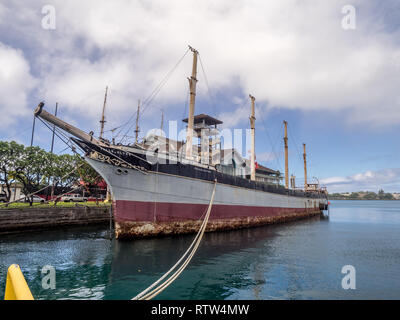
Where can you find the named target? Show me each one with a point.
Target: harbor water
(299, 260)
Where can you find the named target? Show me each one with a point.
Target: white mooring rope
(146, 295)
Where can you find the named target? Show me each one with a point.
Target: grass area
(20, 205)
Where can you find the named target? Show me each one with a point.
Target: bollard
(16, 286)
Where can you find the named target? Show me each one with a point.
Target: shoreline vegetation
(32, 169)
(26, 205)
(365, 195)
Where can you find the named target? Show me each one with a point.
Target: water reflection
(300, 260)
(81, 257)
(225, 260)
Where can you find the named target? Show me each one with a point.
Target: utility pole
(103, 121)
(137, 123)
(33, 129)
(192, 85)
(253, 139)
(51, 150)
(285, 139)
(305, 167)
(54, 129)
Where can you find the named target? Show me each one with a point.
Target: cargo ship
(161, 186)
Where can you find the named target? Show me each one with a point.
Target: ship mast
(137, 123)
(285, 139)
(162, 120)
(192, 84)
(102, 122)
(253, 139)
(305, 167)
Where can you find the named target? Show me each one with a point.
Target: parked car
(3, 197)
(74, 198)
(36, 199)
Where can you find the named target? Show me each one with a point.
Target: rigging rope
(295, 143)
(59, 132)
(269, 138)
(150, 98)
(146, 295)
(185, 110)
(108, 152)
(208, 87)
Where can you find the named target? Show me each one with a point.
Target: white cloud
(289, 53)
(267, 156)
(16, 82)
(388, 179)
(238, 116)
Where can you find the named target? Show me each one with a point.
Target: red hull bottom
(135, 219)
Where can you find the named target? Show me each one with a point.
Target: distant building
(16, 191)
(396, 195)
(234, 164)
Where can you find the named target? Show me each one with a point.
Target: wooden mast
(253, 139)
(192, 84)
(102, 122)
(286, 157)
(162, 120)
(137, 123)
(305, 167)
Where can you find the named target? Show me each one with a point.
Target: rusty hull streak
(134, 230)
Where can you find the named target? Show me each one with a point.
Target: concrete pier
(29, 219)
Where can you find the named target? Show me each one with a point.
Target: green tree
(88, 175)
(387, 196)
(32, 168)
(354, 195)
(62, 170)
(35, 168)
(370, 196)
(10, 152)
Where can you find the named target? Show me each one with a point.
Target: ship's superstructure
(163, 186)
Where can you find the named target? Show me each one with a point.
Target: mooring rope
(145, 294)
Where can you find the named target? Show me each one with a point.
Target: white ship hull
(154, 203)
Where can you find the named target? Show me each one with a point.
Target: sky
(329, 68)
